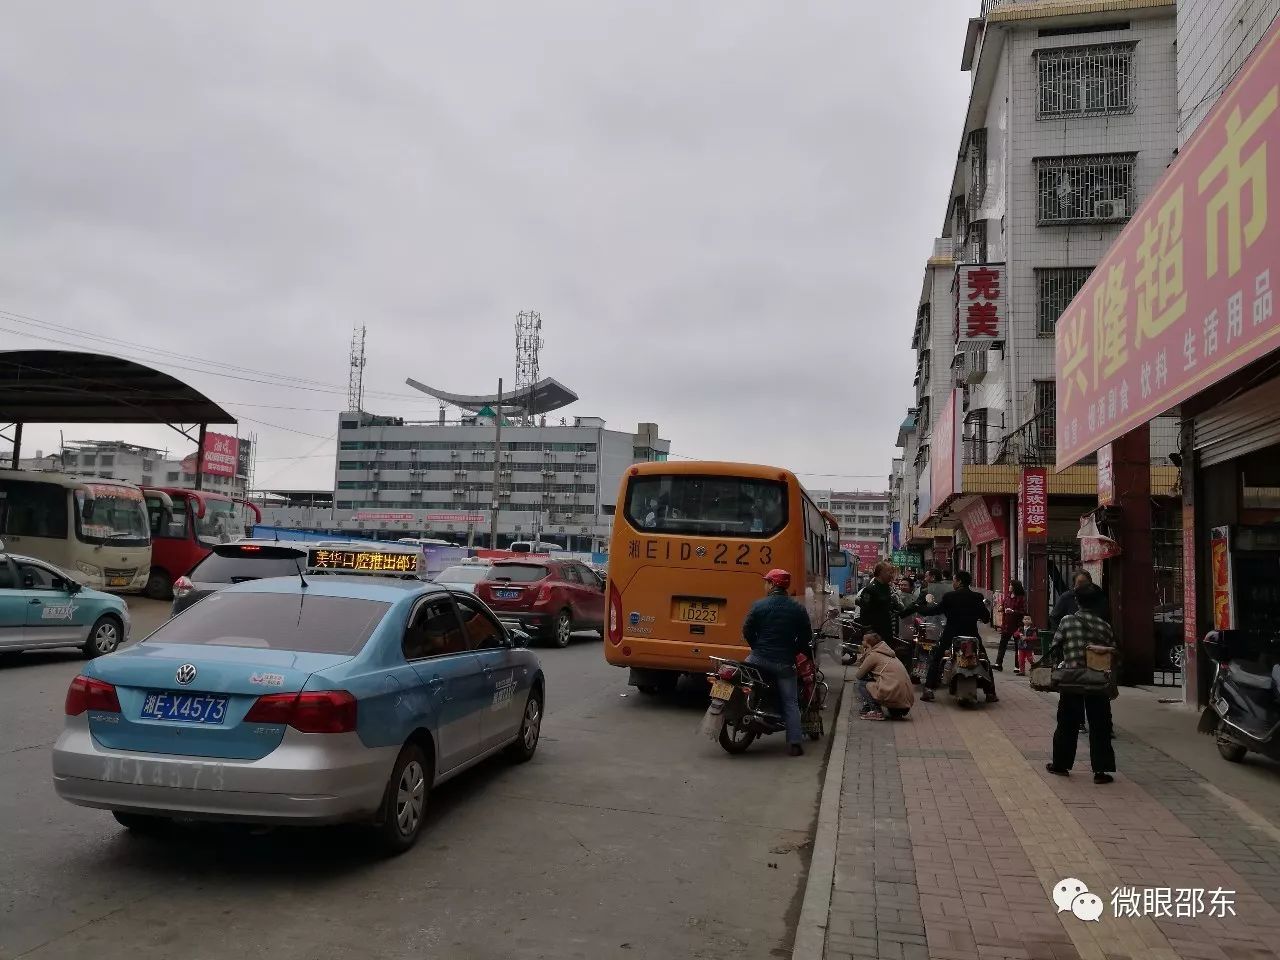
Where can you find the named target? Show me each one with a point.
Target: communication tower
(528, 343)
(355, 379)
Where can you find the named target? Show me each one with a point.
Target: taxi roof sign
(393, 560)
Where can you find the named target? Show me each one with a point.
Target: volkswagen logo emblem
(186, 673)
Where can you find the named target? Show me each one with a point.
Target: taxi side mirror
(70, 586)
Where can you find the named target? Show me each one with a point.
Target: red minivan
(185, 524)
(548, 598)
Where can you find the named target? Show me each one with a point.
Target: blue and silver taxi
(42, 607)
(301, 700)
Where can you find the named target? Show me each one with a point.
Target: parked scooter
(744, 702)
(967, 670)
(852, 630)
(1244, 705)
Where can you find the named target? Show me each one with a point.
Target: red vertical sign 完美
(1033, 503)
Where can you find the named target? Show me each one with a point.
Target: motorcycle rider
(963, 608)
(776, 629)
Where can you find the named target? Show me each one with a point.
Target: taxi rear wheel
(104, 636)
(526, 744)
(404, 805)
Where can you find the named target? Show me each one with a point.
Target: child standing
(1026, 638)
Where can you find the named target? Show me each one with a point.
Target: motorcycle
(744, 702)
(927, 635)
(1244, 706)
(852, 630)
(967, 670)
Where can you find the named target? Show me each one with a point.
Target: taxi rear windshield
(276, 621)
(707, 506)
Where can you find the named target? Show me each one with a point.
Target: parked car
(462, 576)
(42, 607)
(548, 598)
(238, 562)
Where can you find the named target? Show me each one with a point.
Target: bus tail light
(615, 615)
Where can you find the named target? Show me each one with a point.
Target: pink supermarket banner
(1184, 297)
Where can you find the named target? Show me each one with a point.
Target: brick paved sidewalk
(952, 836)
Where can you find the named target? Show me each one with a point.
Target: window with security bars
(1085, 189)
(1046, 414)
(1058, 286)
(977, 170)
(1085, 81)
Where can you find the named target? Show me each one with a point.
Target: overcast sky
(721, 209)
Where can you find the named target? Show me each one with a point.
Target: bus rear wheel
(159, 585)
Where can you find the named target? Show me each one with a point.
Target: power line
(298, 383)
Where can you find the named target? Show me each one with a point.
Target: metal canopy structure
(543, 397)
(65, 386)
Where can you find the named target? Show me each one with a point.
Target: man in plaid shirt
(1076, 634)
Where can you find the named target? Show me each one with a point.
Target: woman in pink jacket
(883, 681)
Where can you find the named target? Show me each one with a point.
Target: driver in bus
(776, 629)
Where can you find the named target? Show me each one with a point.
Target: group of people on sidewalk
(1078, 620)
(777, 628)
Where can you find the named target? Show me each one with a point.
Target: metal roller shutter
(1249, 422)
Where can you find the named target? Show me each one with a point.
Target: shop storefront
(1180, 316)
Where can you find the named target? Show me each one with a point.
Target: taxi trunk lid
(234, 677)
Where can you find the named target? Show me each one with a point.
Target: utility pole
(497, 459)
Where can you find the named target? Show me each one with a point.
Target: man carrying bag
(1084, 691)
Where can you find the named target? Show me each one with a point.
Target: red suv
(548, 598)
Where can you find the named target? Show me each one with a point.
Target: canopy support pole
(200, 457)
(17, 445)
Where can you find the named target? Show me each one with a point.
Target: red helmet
(779, 578)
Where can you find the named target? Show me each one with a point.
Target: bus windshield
(110, 514)
(220, 523)
(707, 505)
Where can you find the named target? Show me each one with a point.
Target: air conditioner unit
(548, 473)
(376, 469)
(581, 453)
(505, 494)
(453, 454)
(415, 493)
(504, 473)
(1108, 210)
(459, 492)
(459, 473)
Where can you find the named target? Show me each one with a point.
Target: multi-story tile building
(1072, 119)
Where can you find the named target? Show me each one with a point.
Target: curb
(811, 929)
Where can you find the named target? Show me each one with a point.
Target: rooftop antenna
(528, 343)
(355, 379)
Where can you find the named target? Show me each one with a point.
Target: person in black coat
(1067, 603)
(964, 609)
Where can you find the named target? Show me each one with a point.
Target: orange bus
(691, 543)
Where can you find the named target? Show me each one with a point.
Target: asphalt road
(628, 835)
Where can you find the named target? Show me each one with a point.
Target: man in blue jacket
(776, 629)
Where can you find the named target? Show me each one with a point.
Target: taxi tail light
(319, 711)
(85, 693)
(182, 586)
(615, 615)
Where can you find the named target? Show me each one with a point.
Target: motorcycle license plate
(721, 690)
(1220, 706)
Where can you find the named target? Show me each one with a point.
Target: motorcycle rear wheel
(1229, 750)
(735, 739)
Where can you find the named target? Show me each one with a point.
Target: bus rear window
(707, 506)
